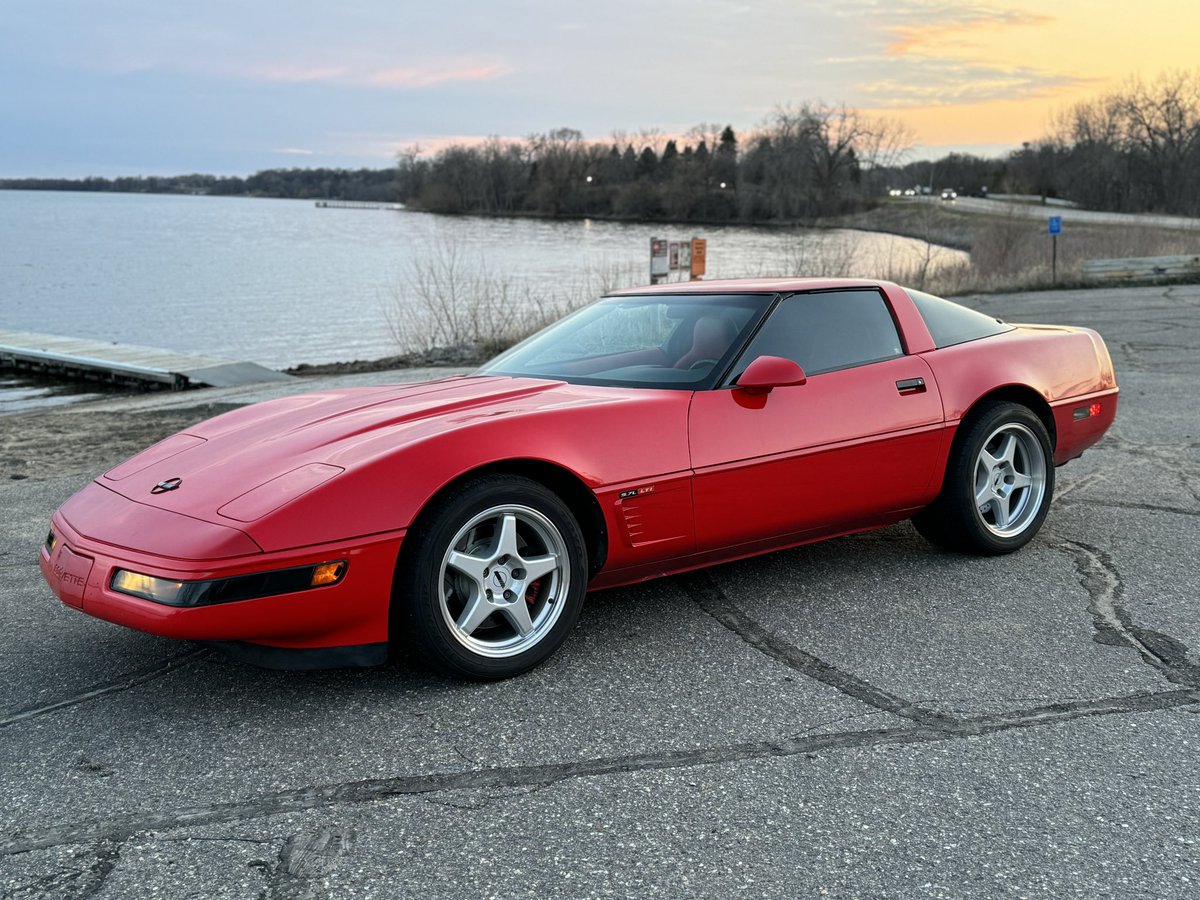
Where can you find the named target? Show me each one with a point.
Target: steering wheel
(702, 362)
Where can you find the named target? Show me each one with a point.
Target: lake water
(281, 282)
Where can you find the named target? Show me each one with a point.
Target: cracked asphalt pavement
(866, 717)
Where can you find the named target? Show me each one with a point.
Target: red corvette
(656, 430)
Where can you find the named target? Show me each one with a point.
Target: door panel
(842, 450)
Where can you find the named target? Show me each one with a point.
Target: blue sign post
(1054, 229)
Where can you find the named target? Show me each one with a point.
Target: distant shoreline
(378, 185)
(877, 219)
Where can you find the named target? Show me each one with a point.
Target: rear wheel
(492, 578)
(998, 485)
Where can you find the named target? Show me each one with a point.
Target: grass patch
(1012, 252)
(453, 308)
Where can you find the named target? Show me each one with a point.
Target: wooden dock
(125, 363)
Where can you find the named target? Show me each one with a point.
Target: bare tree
(1162, 122)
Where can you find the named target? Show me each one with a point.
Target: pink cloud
(296, 74)
(417, 77)
(398, 78)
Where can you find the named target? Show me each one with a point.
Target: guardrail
(1141, 267)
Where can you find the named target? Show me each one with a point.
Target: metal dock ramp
(125, 363)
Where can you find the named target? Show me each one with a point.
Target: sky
(129, 87)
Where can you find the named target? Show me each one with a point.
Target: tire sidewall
(417, 598)
(978, 536)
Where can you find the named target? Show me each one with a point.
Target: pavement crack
(1175, 460)
(477, 804)
(220, 839)
(107, 857)
(1125, 504)
(1133, 360)
(113, 687)
(1079, 484)
(304, 860)
(79, 883)
(119, 828)
(1051, 713)
(817, 726)
(1113, 623)
(703, 589)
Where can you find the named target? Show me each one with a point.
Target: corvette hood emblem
(169, 485)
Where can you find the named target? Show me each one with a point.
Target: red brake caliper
(532, 592)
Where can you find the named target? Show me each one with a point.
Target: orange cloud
(951, 26)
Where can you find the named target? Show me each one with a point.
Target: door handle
(911, 385)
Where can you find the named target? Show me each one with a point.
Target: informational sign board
(676, 260)
(1054, 225)
(659, 260)
(699, 257)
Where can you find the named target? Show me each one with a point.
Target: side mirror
(769, 372)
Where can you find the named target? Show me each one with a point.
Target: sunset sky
(154, 87)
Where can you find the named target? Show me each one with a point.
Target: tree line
(303, 184)
(1135, 150)
(803, 163)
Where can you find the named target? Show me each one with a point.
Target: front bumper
(352, 613)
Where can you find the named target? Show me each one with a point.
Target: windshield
(659, 341)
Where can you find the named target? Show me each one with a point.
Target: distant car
(895, 192)
(654, 431)
(949, 194)
(910, 192)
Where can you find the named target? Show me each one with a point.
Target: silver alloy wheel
(503, 579)
(1010, 480)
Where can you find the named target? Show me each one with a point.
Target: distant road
(1037, 211)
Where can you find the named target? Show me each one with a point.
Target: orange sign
(699, 254)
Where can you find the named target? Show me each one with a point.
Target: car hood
(246, 464)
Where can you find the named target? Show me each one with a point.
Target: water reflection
(280, 282)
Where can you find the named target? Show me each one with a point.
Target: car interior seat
(711, 337)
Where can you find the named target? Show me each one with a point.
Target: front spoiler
(350, 614)
(304, 658)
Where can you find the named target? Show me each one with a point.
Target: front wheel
(492, 578)
(998, 486)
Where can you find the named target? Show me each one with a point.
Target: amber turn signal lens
(328, 573)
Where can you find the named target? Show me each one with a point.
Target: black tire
(998, 485)
(465, 596)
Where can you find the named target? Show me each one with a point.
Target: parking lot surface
(865, 717)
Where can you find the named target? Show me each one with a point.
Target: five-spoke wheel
(998, 483)
(1010, 479)
(502, 579)
(491, 578)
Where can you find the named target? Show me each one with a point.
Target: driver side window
(826, 331)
